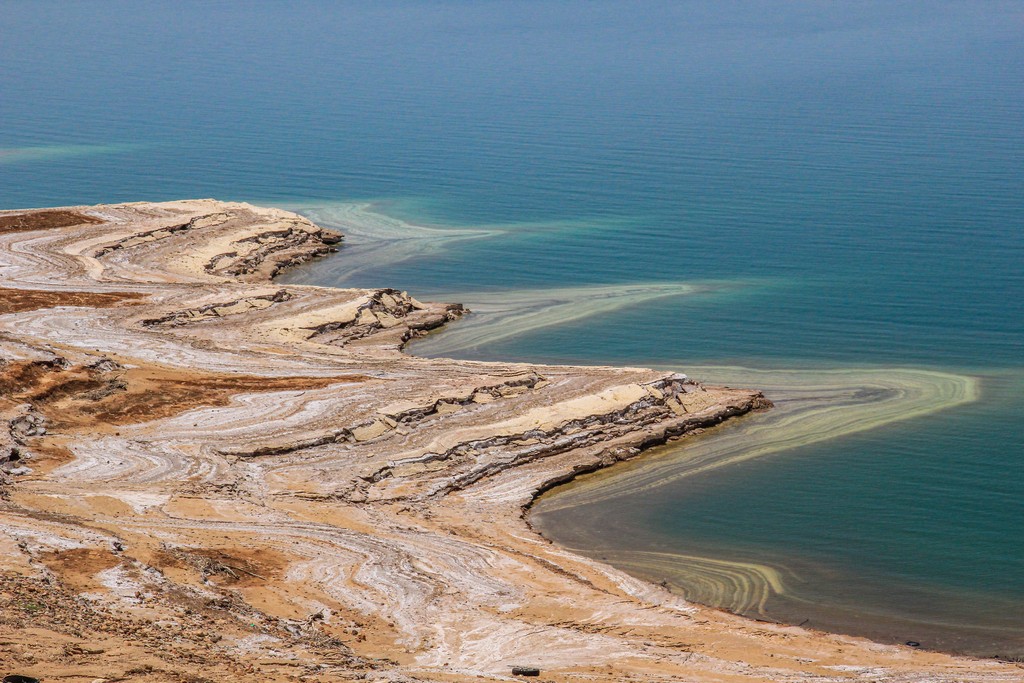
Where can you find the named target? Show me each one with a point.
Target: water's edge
(855, 400)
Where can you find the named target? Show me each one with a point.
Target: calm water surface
(845, 182)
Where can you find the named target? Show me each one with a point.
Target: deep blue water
(852, 175)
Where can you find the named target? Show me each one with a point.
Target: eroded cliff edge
(211, 476)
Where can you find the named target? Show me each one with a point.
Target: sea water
(822, 200)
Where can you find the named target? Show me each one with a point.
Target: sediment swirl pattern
(210, 475)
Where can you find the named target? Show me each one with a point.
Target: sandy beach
(208, 475)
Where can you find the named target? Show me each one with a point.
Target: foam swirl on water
(810, 406)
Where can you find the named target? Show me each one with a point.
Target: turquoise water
(804, 185)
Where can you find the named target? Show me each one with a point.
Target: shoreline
(595, 517)
(278, 490)
(871, 397)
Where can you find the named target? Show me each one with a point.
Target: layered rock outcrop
(212, 476)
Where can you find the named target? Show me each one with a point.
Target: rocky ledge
(209, 476)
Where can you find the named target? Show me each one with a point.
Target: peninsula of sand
(208, 476)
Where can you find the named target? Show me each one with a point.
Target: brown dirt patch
(43, 220)
(78, 567)
(18, 380)
(19, 300)
(47, 455)
(232, 566)
(81, 397)
(151, 395)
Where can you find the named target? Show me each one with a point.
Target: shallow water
(874, 500)
(827, 190)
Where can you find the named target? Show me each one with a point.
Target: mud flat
(210, 476)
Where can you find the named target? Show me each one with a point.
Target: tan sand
(208, 476)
